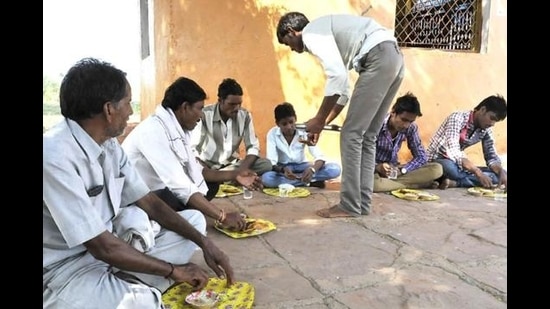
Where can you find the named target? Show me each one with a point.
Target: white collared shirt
(279, 151)
(149, 149)
(339, 41)
(81, 195)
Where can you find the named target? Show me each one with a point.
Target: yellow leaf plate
(414, 195)
(240, 295)
(479, 191)
(228, 190)
(255, 227)
(297, 192)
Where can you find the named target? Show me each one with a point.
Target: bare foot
(444, 184)
(333, 212)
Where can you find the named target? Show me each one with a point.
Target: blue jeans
(464, 178)
(273, 179)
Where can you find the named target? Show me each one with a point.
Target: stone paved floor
(449, 253)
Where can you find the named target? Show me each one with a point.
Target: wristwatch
(403, 171)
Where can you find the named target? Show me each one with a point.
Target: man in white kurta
(108, 242)
(73, 212)
(160, 148)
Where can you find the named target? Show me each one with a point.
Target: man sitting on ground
(108, 241)
(399, 125)
(286, 151)
(463, 129)
(224, 126)
(160, 148)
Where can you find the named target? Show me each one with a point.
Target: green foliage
(136, 107)
(50, 96)
(50, 90)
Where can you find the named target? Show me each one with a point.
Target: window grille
(439, 24)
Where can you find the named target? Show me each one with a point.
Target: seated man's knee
(141, 298)
(334, 170)
(262, 166)
(195, 218)
(436, 170)
(268, 179)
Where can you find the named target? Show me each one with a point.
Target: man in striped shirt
(461, 130)
(224, 126)
(399, 126)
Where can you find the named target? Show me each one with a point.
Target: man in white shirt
(160, 148)
(286, 151)
(108, 241)
(343, 42)
(224, 126)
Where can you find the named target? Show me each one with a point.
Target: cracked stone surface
(448, 253)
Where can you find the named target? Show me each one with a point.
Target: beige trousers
(417, 179)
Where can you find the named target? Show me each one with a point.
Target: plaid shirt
(387, 148)
(457, 133)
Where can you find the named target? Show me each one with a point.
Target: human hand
(383, 169)
(379, 170)
(314, 126)
(307, 174)
(312, 139)
(309, 139)
(249, 179)
(217, 260)
(190, 273)
(485, 180)
(234, 221)
(289, 174)
(257, 185)
(503, 180)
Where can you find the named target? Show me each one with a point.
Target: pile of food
(296, 192)
(252, 225)
(479, 191)
(202, 299)
(285, 189)
(228, 190)
(410, 194)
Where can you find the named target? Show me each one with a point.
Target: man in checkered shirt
(461, 130)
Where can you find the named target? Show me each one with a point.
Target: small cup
(303, 137)
(393, 172)
(285, 189)
(247, 194)
(204, 299)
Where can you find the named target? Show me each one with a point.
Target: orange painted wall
(211, 40)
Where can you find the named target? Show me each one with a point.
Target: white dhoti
(87, 283)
